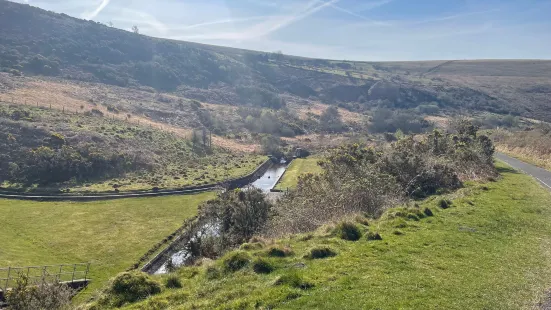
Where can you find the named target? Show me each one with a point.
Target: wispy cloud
(452, 17)
(93, 14)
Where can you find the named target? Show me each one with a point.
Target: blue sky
(372, 30)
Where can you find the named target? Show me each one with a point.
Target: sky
(370, 30)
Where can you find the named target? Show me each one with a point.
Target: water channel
(266, 182)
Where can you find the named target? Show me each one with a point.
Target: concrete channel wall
(231, 183)
(156, 262)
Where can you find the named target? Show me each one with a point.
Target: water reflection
(269, 179)
(265, 183)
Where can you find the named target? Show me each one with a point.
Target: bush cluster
(364, 180)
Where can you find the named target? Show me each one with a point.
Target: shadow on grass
(507, 170)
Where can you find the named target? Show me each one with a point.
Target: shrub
(28, 296)
(444, 203)
(293, 279)
(173, 282)
(321, 252)
(235, 261)
(132, 286)
(261, 265)
(241, 214)
(348, 231)
(277, 251)
(371, 236)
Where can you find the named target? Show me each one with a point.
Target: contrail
(311, 8)
(269, 26)
(223, 21)
(100, 8)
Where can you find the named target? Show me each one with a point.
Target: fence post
(44, 272)
(87, 270)
(74, 269)
(7, 280)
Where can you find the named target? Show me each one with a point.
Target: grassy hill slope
(87, 151)
(490, 250)
(36, 42)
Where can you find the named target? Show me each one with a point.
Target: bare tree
(110, 24)
(135, 29)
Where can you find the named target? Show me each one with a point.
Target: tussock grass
(235, 261)
(279, 251)
(263, 265)
(348, 231)
(173, 282)
(321, 252)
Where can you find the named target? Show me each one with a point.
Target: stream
(265, 183)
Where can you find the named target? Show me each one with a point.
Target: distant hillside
(36, 42)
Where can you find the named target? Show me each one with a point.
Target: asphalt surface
(541, 175)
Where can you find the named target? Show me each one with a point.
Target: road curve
(542, 175)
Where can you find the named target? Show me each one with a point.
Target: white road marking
(542, 182)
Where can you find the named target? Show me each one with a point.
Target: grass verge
(490, 250)
(298, 167)
(112, 235)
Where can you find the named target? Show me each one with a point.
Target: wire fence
(68, 273)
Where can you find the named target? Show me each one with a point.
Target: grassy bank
(112, 235)
(93, 152)
(490, 250)
(298, 167)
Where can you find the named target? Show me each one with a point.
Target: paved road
(542, 175)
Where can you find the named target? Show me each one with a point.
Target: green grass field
(490, 250)
(298, 166)
(112, 235)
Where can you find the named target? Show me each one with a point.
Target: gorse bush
(364, 180)
(39, 296)
(238, 215)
